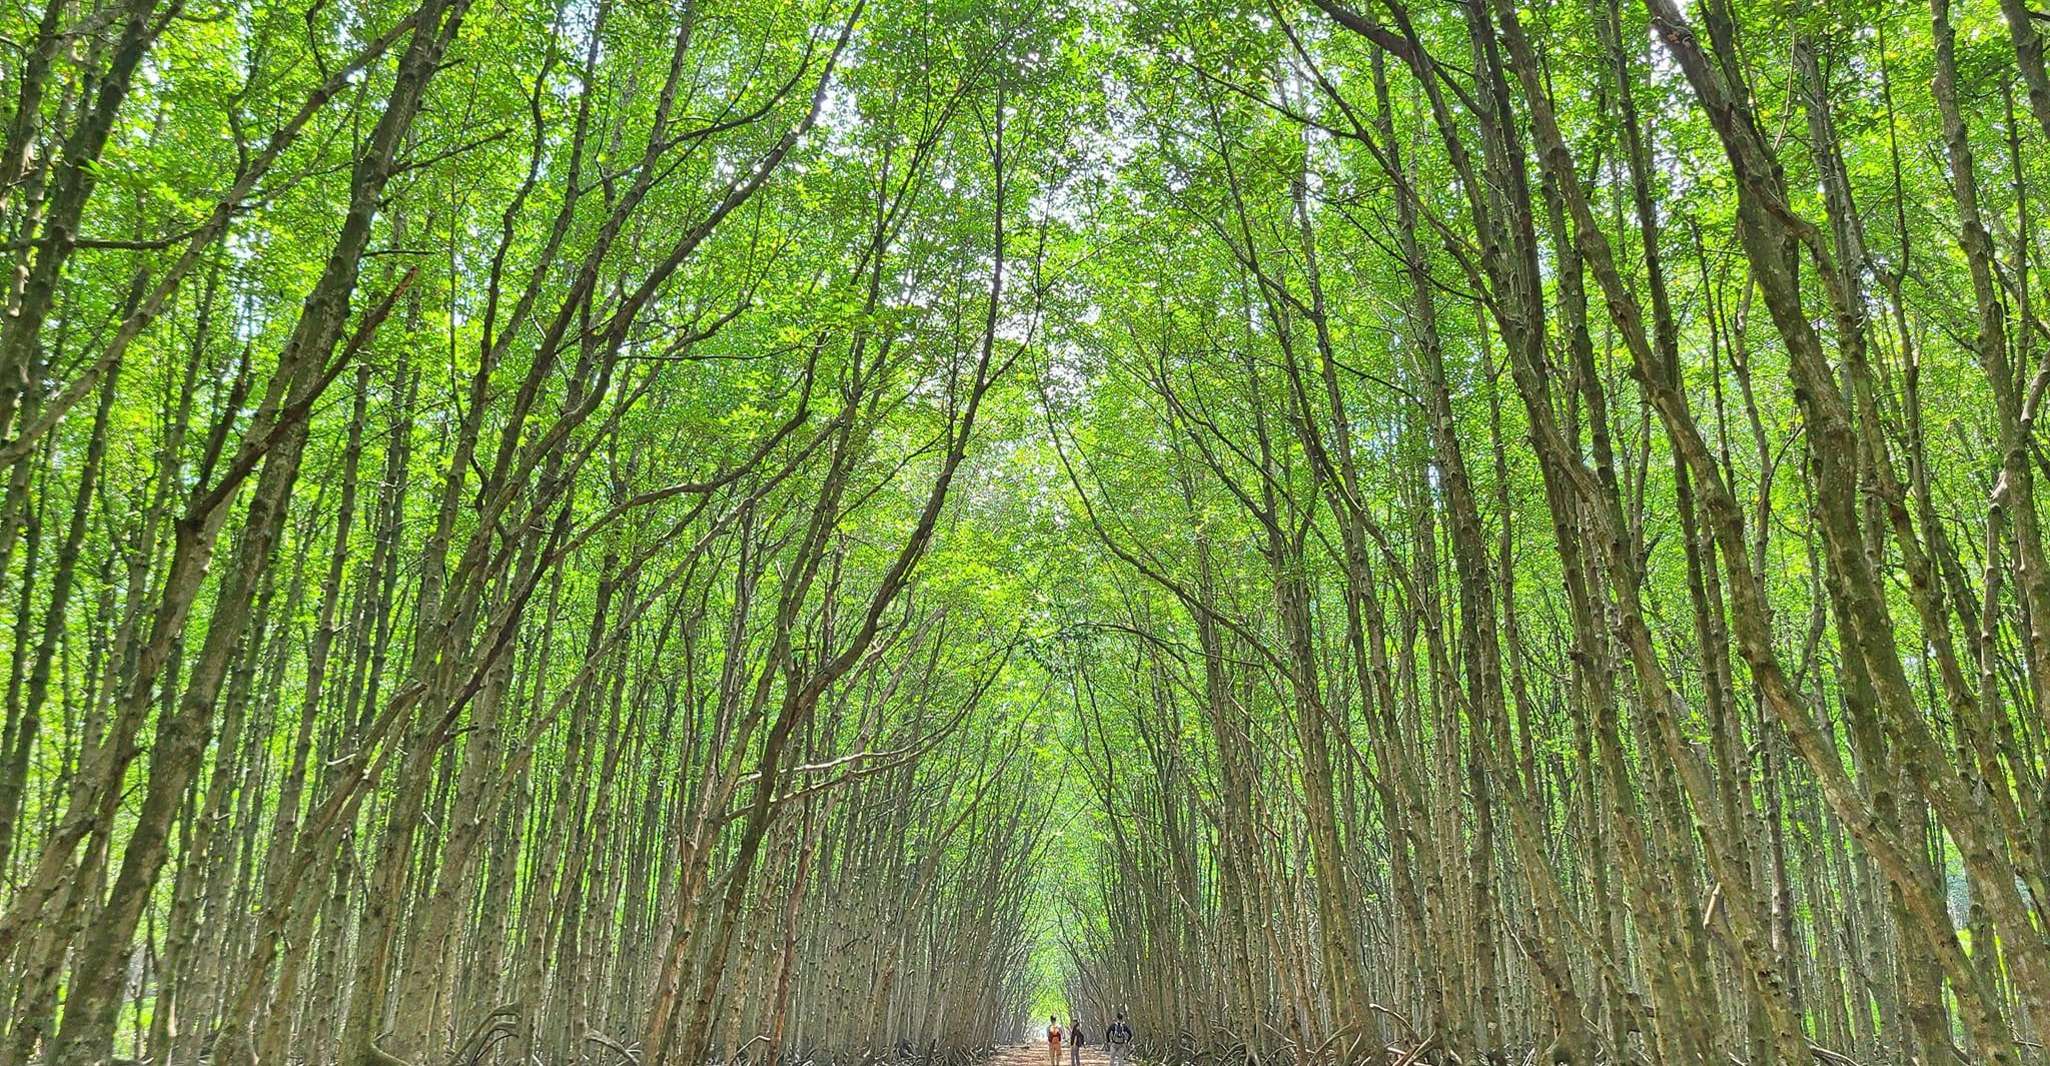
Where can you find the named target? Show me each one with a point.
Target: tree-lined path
(683, 532)
(1033, 1053)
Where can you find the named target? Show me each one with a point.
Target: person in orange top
(1053, 1041)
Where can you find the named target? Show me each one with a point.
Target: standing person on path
(1119, 1037)
(1075, 1034)
(1053, 1041)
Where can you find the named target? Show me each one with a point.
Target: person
(1053, 1041)
(1119, 1037)
(1075, 1035)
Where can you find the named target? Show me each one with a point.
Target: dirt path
(1034, 1054)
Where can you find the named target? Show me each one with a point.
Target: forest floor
(1034, 1054)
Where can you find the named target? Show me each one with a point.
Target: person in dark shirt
(1119, 1037)
(1075, 1041)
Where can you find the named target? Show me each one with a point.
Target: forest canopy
(669, 531)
